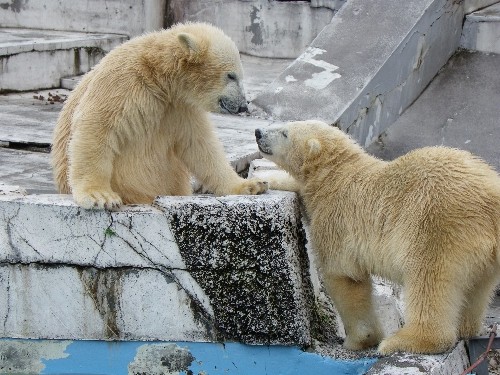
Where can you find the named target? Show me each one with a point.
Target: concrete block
(198, 268)
(481, 31)
(473, 5)
(250, 259)
(450, 363)
(259, 27)
(36, 59)
(11, 190)
(367, 66)
(126, 17)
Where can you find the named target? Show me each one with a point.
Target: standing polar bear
(429, 220)
(137, 126)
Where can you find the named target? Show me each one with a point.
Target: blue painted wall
(113, 358)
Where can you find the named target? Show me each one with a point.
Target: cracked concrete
(172, 271)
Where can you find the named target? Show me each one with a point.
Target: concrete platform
(362, 74)
(481, 31)
(32, 59)
(459, 109)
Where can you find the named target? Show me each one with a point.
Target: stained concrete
(459, 109)
(128, 17)
(260, 27)
(481, 31)
(367, 65)
(33, 59)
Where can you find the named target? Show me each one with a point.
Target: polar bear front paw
(251, 186)
(97, 199)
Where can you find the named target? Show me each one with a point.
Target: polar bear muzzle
(262, 142)
(230, 106)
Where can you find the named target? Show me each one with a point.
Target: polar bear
(429, 220)
(137, 125)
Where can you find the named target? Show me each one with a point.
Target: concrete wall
(368, 65)
(259, 27)
(128, 17)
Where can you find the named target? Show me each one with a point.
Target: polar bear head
(300, 146)
(211, 68)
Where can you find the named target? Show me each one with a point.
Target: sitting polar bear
(137, 126)
(429, 220)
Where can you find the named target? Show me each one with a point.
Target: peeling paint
(322, 79)
(168, 358)
(255, 27)
(160, 359)
(27, 356)
(290, 78)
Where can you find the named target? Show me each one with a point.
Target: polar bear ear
(190, 44)
(314, 146)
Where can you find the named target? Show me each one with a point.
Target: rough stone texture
(481, 31)
(199, 268)
(450, 363)
(127, 17)
(473, 5)
(37, 59)
(25, 357)
(259, 27)
(247, 254)
(360, 72)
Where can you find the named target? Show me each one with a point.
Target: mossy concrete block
(199, 268)
(248, 254)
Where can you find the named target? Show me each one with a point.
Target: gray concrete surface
(34, 59)
(367, 65)
(460, 108)
(260, 27)
(481, 31)
(128, 17)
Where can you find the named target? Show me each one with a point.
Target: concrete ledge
(481, 31)
(450, 363)
(36, 59)
(196, 268)
(361, 72)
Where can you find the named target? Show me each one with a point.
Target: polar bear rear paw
(410, 341)
(98, 199)
(251, 186)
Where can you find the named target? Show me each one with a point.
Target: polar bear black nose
(258, 134)
(243, 108)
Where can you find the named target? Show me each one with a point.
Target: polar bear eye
(231, 76)
(284, 134)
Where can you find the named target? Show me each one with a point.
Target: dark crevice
(27, 146)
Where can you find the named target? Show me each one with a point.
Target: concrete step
(36, 59)
(481, 31)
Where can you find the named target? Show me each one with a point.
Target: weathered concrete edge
(384, 95)
(450, 363)
(102, 250)
(427, 47)
(160, 357)
(103, 41)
